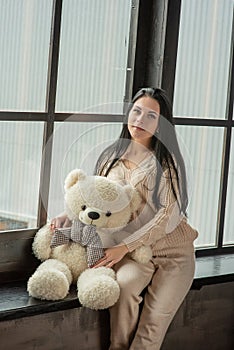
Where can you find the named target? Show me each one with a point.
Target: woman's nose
(140, 117)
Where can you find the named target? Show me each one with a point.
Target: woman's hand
(60, 221)
(112, 256)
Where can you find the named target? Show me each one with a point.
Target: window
(229, 220)
(68, 66)
(76, 145)
(66, 69)
(93, 56)
(20, 155)
(203, 62)
(203, 155)
(92, 67)
(203, 102)
(24, 47)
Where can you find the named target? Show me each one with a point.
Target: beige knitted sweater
(162, 229)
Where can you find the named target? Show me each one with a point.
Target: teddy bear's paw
(48, 285)
(142, 254)
(41, 244)
(99, 292)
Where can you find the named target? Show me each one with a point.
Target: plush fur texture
(113, 206)
(101, 195)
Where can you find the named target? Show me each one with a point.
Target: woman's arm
(165, 220)
(149, 233)
(112, 256)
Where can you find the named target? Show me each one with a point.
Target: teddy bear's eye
(83, 207)
(108, 213)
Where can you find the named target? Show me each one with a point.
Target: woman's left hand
(112, 256)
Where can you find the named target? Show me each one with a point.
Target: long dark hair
(164, 145)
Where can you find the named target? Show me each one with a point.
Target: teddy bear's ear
(134, 197)
(73, 177)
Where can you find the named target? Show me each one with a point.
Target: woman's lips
(138, 128)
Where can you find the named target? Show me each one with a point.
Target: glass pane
(76, 145)
(93, 55)
(202, 147)
(229, 217)
(20, 159)
(24, 46)
(203, 58)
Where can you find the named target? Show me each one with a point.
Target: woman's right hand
(60, 221)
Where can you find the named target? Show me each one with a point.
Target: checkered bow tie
(85, 235)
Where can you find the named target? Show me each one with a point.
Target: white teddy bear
(97, 207)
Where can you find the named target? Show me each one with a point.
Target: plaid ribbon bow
(85, 235)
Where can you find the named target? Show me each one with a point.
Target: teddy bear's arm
(41, 244)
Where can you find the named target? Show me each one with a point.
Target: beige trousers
(169, 279)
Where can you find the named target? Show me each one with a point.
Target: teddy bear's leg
(97, 288)
(51, 281)
(142, 254)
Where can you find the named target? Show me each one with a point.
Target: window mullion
(50, 109)
(131, 51)
(227, 145)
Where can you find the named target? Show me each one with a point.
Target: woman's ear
(73, 177)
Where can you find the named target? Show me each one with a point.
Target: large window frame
(168, 80)
(17, 243)
(151, 61)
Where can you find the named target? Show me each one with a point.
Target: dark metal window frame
(168, 79)
(16, 260)
(155, 65)
(153, 45)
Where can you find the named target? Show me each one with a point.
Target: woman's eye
(83, 207)
(108, 213)
(136, 111)
(152, 116)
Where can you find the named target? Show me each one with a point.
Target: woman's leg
(168, 288)
(132, 278)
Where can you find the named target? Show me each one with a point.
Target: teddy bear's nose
(93, 215)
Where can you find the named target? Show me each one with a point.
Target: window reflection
(202, 148)
(20, 159)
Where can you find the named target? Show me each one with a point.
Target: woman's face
(143, 120)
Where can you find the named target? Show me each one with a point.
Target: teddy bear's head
(99, 201)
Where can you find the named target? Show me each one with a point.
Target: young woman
(147, 155)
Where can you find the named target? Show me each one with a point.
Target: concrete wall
(204, 321)
(74, 329)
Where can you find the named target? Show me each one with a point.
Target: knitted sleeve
(165, 220)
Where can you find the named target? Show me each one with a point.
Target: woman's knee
(132, 277)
